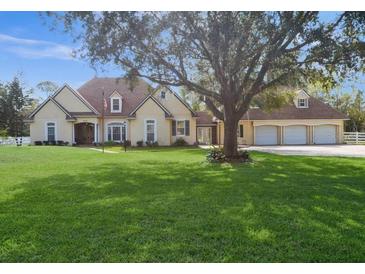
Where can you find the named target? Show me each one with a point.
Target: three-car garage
(295, 134)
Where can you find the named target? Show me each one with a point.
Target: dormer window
(115, 103)
(302, 103)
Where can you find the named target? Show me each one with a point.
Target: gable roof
(193, 113)
(150, 96)
(78, 95)
(68, 114)
(316, 110)
(93, 89)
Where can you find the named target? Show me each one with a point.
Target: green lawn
(63, 204)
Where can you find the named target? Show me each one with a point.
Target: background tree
(48, 87)
(352, 103)
(15, 105)
(227, 57)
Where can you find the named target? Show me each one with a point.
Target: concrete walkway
(106, 151)
(316, 150)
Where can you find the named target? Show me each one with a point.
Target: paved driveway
(317, 150)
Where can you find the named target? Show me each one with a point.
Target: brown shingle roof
(316, 110)
(93, 89)
(204, 117)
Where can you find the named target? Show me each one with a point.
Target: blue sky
(27, 46)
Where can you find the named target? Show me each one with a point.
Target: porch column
(73, 133)
(281, 135)
(95, 133)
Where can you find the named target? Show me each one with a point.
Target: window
(117, 132)
(180, 128)
(51, 131)
(240, 131)
(163, 94)
(150, 131)
(302, 103)
(116, 104)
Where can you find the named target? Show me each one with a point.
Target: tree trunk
(230, 136)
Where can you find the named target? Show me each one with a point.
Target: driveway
(317, 150)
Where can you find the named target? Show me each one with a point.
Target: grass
(63, 204)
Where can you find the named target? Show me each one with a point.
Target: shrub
(155, 144)
(66, 143)
(217, 155)
(38, 143)
(125, 144)
(149, 143)
(180, 142)
(3, 133)
(60, 143)
(139, 143)
(110, 143)
(46, 143)
(52, 143)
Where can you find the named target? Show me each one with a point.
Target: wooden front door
(84, 133)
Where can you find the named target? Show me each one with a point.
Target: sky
(28, 47)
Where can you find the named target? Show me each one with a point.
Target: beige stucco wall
(249, 128)
(50, 113)
(149, 110)
(69, 101)
(179, 112)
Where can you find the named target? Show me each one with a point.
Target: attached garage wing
(295, 135)
(266, 135)
(324, 134)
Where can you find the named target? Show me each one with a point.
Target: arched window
(117, 132)
(51, 131)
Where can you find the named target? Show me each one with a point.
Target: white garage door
(325, 134)
(266, 135)
(295, 135)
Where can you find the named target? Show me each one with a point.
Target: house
(161, 116)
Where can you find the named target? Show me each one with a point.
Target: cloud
(35, 49)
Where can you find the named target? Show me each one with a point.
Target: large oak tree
(227, 57)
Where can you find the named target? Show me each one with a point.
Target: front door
(84, 133)
(204, 135)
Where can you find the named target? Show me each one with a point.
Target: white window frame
(154, 132)
(122, 124)
(305, 100)
(177, 121)
(112, 110)
(46, 130)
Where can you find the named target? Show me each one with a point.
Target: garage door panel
(325, 134)
(266, 135)
(295, 135)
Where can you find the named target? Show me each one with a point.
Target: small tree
(227, 57)
(48, 87)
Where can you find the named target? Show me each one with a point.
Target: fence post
(357, 137)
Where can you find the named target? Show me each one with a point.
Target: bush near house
(180, 142)
(139, 143)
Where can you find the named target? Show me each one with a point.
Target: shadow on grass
(279, 209)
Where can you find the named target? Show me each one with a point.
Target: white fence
(354, 137)
(14, 140)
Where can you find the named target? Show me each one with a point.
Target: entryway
(84, 133)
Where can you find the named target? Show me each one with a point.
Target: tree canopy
(227, 57)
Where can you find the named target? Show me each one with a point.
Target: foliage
(180, 142)
(47, 87)
(226, 57)
(352, 103)
(3, 133)
(38, 143)
(15, 105)
(110, 143)
(216, 155)
(140, 143)
(152, 144)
